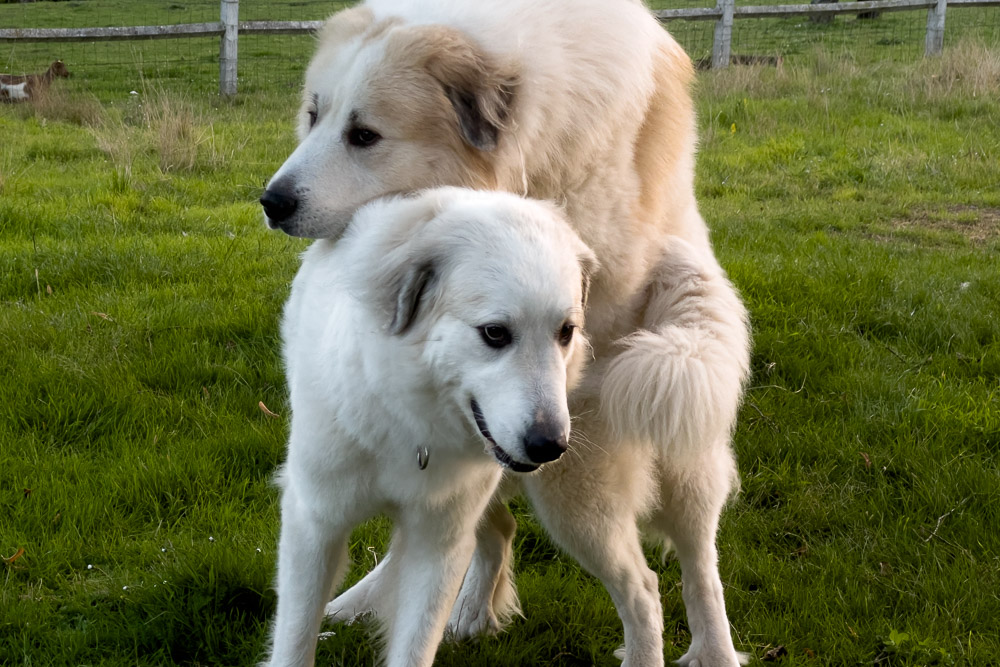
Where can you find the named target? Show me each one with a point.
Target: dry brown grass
(176, 130)
(56, 104)
(968, 69)
(158, 124)
(120, 143)
(977, 224)
(785, 79)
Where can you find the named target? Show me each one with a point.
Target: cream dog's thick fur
(585, 102)
(435, 339)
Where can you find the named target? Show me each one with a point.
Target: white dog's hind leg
(312, 554)
(488, 598)
(589, 507)
(693, 495)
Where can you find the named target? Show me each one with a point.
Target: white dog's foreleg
(693, 496)
(432, 553)
(312, 553)
(488, 598)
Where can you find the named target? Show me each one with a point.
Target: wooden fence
(229, 27)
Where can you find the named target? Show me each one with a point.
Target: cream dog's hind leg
(693, 493)
(488, 598)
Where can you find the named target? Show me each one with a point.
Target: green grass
(854, 206)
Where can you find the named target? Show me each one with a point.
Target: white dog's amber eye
(362, 137)
(566, 334)
(496, 335)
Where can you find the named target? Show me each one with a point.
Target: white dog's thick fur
(436, 338)
(585, 102)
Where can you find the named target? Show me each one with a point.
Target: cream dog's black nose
(279, 203)
(544, 442)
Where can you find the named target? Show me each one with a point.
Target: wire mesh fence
(277, 61)
(862, 37)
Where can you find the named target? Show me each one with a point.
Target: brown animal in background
(14, 88)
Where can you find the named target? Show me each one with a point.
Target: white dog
(435, 339)
(584, 102)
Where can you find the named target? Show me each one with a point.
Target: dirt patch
(977, 224)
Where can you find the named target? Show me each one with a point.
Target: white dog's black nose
(279, 203)
(544, 442)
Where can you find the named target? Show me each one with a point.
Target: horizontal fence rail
(781, 11)
(111, 34)
(175, 31)
(724, 13)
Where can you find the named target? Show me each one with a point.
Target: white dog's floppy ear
(410, 289)
(400, 266)
(480, 91)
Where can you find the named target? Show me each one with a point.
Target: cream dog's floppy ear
(480, 90)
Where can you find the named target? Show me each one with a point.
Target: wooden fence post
(722, 42)
(229, 15)
(935, 28)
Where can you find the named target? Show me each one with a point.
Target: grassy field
(855, 207)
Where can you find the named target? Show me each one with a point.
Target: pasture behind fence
(248, 44)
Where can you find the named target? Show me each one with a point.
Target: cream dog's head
(387, 108)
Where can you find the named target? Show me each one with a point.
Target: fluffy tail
(679, 380)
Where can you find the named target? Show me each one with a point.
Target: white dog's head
(387, 108)
(492, 288)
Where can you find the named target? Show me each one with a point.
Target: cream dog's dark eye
(495, 335)
(362, 137)
(566, 334)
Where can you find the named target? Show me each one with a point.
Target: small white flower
(964, 286)
(124, 588)
(211, 539)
